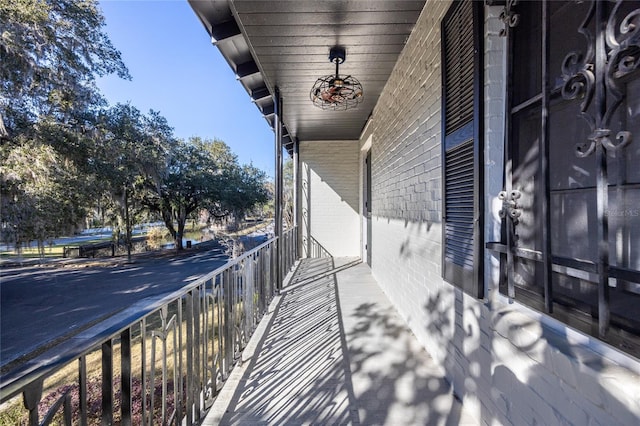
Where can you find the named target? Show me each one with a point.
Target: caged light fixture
(333, 91)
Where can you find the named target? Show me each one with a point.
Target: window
(461, 147)
(574, 166)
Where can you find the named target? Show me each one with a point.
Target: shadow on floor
(336, 352)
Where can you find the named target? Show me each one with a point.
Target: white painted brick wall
(508, 365)
(330, 191)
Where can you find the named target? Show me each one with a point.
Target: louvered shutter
(462, 177)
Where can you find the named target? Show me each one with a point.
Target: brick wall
(406, 181)
(329, 196)
(509, 364)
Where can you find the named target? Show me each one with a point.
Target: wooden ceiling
(286, 44)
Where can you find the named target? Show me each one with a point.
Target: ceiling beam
(224, 30)
(267, 109)
(246, 69)
(260, 93)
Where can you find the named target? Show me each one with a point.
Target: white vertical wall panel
(330, 195)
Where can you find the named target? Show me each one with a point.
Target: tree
(244, 190)
(288, 186)
(50, 54)
(40, 196)
(189, 181)
(241, 187)
(204, 174)
(51, 51)
(130, 158)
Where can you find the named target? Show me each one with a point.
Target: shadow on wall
(338, 171)
(511, 365)
(416, 231)
(329, 199)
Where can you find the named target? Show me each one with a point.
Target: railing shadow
(300, 374)
(324, 360)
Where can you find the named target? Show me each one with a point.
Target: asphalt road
(39, 305)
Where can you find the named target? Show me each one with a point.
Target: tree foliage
(51, 51)
(65, 152)
(39, 193)
(204, 174)
(241, 187)
(129, 157)
(245, 189)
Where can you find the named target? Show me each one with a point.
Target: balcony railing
(161, 361)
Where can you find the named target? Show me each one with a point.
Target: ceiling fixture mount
(333, 91)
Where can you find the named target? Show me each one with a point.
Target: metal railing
(290, 248)
(163, 360)
(314, 249)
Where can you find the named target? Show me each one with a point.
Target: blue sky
(177, 71)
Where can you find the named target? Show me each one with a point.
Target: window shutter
(461, 148)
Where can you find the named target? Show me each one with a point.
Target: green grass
(12, 413)
(191, 233)
(49, 251)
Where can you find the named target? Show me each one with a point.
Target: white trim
(365, 130)
(366, 146)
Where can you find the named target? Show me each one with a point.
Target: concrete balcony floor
(333, 350)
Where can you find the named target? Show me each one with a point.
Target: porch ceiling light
(333, 91)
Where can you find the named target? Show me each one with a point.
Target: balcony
(332, 350)
(163, 360)
(326, 348)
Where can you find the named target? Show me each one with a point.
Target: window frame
(558, 306)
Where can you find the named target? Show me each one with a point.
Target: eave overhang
(286, 44)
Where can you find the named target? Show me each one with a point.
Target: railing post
(143, 367)
(180, 394)
(228, 323)
(31, 397)
(297, 211)
(82, 389)
(197, 342)
(220, 316)
(107, 383)
(273, 268)
(278, 186)
(260, 283)
(189, 382)
(247, 302)
(209, 350)
(125, 368)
